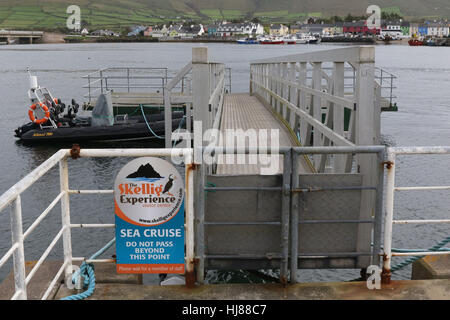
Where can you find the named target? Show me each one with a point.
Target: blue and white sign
(149, 213)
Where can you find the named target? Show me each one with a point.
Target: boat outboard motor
(102, 114)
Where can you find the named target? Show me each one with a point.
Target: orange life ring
(33, 118)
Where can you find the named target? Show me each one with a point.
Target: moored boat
(248, 41)
(289, 40)
(48, 123)
(271, 41)
(415, 42)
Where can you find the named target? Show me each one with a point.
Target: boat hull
(272, 42)
(117, 132)
(415, 43)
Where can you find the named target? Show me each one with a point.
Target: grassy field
(115, 14)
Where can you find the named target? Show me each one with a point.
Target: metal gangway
(321, 209)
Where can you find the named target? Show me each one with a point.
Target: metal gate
(289, 221)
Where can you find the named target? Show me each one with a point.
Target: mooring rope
(438, 247)
(434, 248)
(87, 271)
(148, 125)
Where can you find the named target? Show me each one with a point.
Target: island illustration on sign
(145, 173)
(148, 173)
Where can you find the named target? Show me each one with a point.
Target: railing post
(200, 207)
(387, 244)
(190, 256)
(284, 90)
(65, 216)
(19, 253)
(251, 79)
(294, 216)
(366, 135)
(285, 215)
(338, 112)
(305, 128)
(128, 79)
(293, 94)
(317, 109)
(167, 117)
(101, 81)
(200, 87)
(89, 88)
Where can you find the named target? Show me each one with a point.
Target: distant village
(311, 30)
(395, 29)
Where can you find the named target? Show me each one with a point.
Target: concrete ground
(398, 290)
(113, 286)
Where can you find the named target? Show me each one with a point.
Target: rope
(148, 125)
(401, 265)
(434, 248)
(87, 271)
(178, 130)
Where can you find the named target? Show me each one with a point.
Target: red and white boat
(271, 41)
(414, 42)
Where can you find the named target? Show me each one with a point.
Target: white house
(158, 33)
(247, 28)
(438, 30)
(392, 29)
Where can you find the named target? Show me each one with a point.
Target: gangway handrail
(388, 251)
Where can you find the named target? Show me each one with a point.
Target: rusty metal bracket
(75, 151)
(385, 273)
(190, 275)
(388, 164)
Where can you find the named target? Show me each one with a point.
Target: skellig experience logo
(148, 183)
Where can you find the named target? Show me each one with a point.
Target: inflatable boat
(48, 122)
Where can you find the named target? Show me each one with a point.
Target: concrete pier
(397, 290)
(431, 267)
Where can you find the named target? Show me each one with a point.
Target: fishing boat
(289, 40)
(49, 123)
(271, 41)
(415, 41)
(248, 41)
(301, 39)
(313, 40)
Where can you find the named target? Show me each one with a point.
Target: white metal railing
(204, 99)
(129, 80)
(392, 153)
(313, 101)
(386, 81)
(12, 198)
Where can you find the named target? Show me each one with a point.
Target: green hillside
(51, 14)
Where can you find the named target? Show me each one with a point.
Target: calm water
(423, 119)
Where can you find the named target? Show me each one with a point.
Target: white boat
(289, 40)
(271, 40)
(306, 38)
(301, 39)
